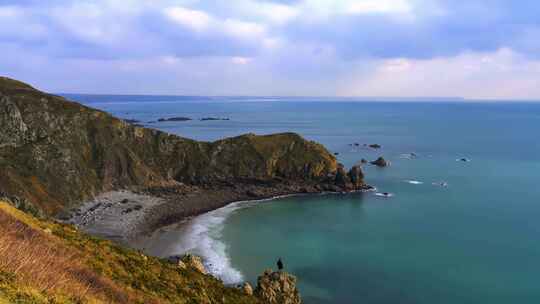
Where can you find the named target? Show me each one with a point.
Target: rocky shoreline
(126, 216)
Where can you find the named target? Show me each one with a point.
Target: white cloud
(241, 60)
(17, 23)
(503, 74)
(243, 29)
(200, 21)
(10, 12)
(194, 19)
(278, 13)
(317, 9)
(378, 6)
(400, 64)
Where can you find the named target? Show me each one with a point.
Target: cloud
(504, 74)
(241, 60)
(196, 20)
(336, 47)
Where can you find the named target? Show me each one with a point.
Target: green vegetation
(55, 153)
(47, 262)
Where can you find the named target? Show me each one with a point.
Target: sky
(478, 49)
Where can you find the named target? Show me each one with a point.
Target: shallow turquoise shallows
(475, 240)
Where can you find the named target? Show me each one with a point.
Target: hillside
(55, 153)
(46, 262)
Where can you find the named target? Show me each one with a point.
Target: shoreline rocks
(277, 288)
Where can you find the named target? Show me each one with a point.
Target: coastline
(176, 221)
(129, 215)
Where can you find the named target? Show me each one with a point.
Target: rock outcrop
(56, 153)
(380, 162)
(277, 288)
(356, 176)
(194, 262)
(247, 289)
(352, 180)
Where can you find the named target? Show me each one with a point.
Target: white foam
(414, 182)
(384, 194)
(203, 237)
(408, 156)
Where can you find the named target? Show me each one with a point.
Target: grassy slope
(47, 262)
(56, 153)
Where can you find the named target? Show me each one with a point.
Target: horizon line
(359, 98)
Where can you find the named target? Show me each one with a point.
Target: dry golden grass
(40, 262)
(45, 262)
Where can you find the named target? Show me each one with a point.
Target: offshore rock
(277, 288)
(380, 162)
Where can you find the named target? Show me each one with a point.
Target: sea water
(453, 231)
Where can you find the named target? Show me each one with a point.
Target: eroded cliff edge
(55, 153)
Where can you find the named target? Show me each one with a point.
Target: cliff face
(55, 153)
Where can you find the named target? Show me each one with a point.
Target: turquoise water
(474, 241)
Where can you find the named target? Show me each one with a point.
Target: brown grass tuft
(40, 262)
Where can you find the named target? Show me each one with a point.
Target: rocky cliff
(55, 153)
(277, 288)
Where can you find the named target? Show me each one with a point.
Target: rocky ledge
(273, 287)
(277, 287)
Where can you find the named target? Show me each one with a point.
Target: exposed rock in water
(356, 176)
(352, 180)
(174, 119)
(380, 162)
(363, 161)
(277, 288)
(375, 146)
(132, 121)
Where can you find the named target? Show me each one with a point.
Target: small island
(174, 119)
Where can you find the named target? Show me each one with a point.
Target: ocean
(453, 231)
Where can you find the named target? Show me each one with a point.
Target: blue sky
(474, 48)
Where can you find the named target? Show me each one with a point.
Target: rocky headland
(56, 154)
(60, 159)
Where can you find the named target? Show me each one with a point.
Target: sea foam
(203, 237)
